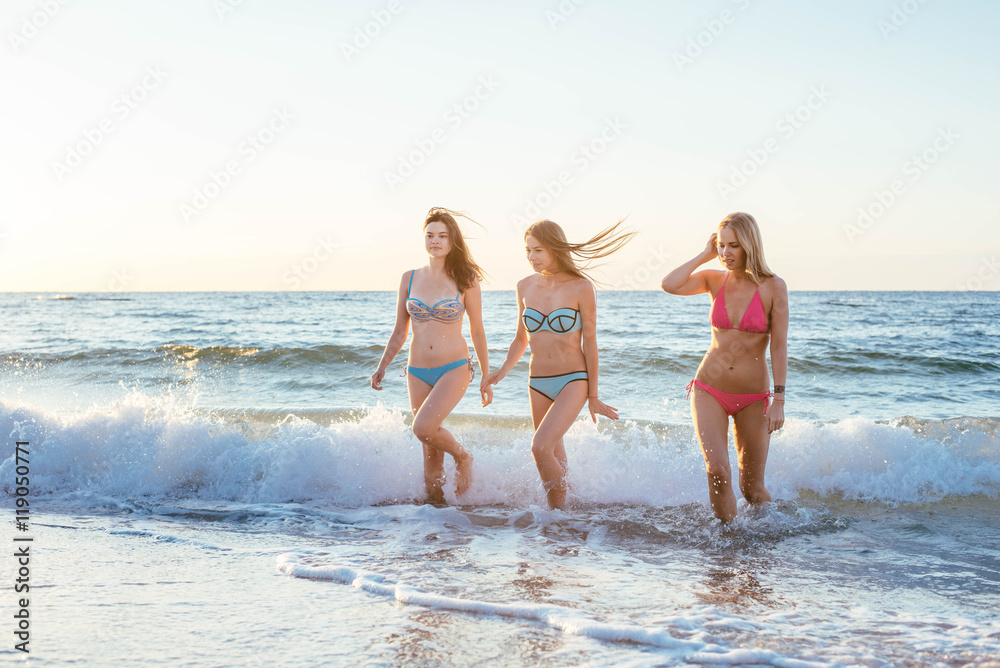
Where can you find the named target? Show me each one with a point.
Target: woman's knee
(541, 447)
(424, 430)
(718, 476)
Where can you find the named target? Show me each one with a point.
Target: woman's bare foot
(464, 479)
(434, 485)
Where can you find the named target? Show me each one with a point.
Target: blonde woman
(749, 311)
(435, 298)
(557, 318)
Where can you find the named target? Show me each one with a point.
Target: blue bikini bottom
(550, 386)
(432, 374)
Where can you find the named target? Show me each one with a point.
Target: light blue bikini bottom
(550, 386)
(432, 374)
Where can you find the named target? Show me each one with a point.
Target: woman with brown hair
(733, 378)
(557, 317)
(439, 369)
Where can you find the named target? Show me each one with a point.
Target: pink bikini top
(754, 320)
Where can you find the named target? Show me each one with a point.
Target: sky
(252, 145)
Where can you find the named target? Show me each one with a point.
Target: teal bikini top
(560, 321)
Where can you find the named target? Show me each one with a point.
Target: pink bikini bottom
(732, 403)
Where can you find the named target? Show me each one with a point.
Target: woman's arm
(474, 309)
(398, 337)
(681, 281)
(516, 350)
(588, 311)
(779, 353)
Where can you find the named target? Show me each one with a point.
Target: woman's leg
(434, 477)
(752, 444)
(711, 424)
(431, 405)
(552, 419)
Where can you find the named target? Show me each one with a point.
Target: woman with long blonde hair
(733, 378)
(557, 318)
(439, 369)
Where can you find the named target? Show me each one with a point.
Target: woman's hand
(377, 379)
(711, 248)
(598, 407)
(487, 383)
(486, 392)
(775, 416)
(491, 379)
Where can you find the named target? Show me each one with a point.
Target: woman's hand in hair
(711, 248)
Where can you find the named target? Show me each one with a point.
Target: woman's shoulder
(581, 283)
(714, 278)
(407, 275)
(580, 289)
(774, 283)
(526, 281)
(774, 287)
(475, 286)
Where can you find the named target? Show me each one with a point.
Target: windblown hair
(748, 234)
(602, 244)
(459, 264)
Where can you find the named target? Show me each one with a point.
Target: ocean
(211, 481)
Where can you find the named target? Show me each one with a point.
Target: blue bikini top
(446, 310)
(560, 321)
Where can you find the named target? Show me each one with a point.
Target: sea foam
(565, 619)
(145, 446)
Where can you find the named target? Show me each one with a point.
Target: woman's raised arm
(682, 280)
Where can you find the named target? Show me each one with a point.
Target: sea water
(213, 482)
